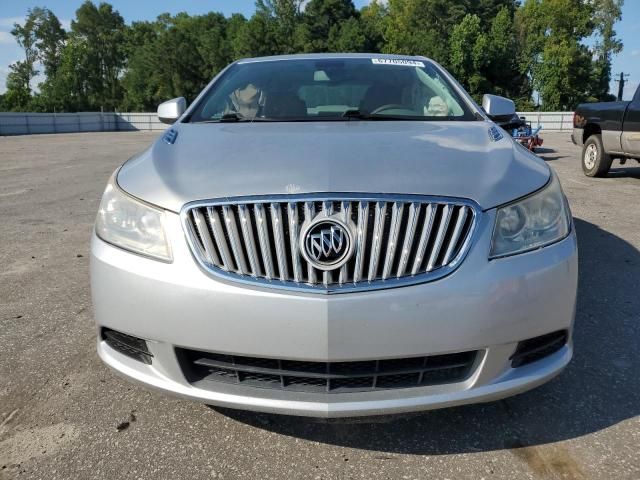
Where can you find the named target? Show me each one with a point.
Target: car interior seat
(284, 105)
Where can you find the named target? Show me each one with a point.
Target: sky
(11, 11)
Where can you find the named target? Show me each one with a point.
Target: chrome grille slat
(218, 235)
(294, 229)
(412, 222)
(246, 225)
(442, 230)
(207, 244)
(376, 242)
(394, 232)
(424, 238)
(361, 235)
(263, 238)
(309, 214)
(234, 239)
(278, 236)
(327, 211)
(345, 208)
(455, 236)
(395, 240)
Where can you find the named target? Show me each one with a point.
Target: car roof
(316, 56)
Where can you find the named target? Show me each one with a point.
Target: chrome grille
(398, 240)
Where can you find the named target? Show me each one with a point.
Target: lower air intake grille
(326, 377)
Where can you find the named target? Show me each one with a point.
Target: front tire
(595, 161)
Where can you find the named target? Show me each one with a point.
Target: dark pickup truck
(606, 131)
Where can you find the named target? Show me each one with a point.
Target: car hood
(215, 160)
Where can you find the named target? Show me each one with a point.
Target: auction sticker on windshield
(395, 61)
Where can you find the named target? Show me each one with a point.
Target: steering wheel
(388, 106)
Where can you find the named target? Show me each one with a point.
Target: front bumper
(577, 135)
(484, 305)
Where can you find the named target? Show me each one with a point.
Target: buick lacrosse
(335, 235)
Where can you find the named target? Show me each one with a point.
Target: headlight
(530, 223)
(130, 224)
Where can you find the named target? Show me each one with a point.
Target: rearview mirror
(171, 110)
(496, 106)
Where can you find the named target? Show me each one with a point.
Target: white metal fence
(19, 123)
(550, 121)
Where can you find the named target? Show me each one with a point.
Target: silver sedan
(335, 235)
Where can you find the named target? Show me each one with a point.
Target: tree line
(548, 54)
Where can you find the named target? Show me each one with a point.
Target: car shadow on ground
(625, 171)
(547, 154)
(599, 389)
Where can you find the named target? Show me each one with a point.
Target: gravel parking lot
(63, 415)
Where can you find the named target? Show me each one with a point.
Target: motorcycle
(522, 132)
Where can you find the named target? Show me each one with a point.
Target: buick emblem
(326, 243)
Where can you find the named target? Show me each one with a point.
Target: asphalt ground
(64, 415)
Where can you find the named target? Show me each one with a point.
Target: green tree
(469, 56)
(502, 71)
(255, 38)
(322, 23)
(488, 10)
(42, 38)
(508, 47)
(484, 60)
(18, 95)
(554, 56)
(276, 26)
(50, 41)
(606, 14)
(422, 27)
(140, 81)
(175, 56)
(347, 36)
(563, 77)
(50, 38)
(22, 72)
(101, 32)
(235, 26)
(71, 88)
(373, 21)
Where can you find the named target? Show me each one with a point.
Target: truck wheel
(595, 161)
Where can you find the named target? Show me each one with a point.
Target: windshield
(331, 89)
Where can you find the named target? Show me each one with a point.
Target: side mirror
(171, 110)
(496, 106)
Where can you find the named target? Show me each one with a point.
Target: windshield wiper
(227, 117)
(234, 117)
(357, 114)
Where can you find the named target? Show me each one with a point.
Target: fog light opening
(128, 345)
(537, 348)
